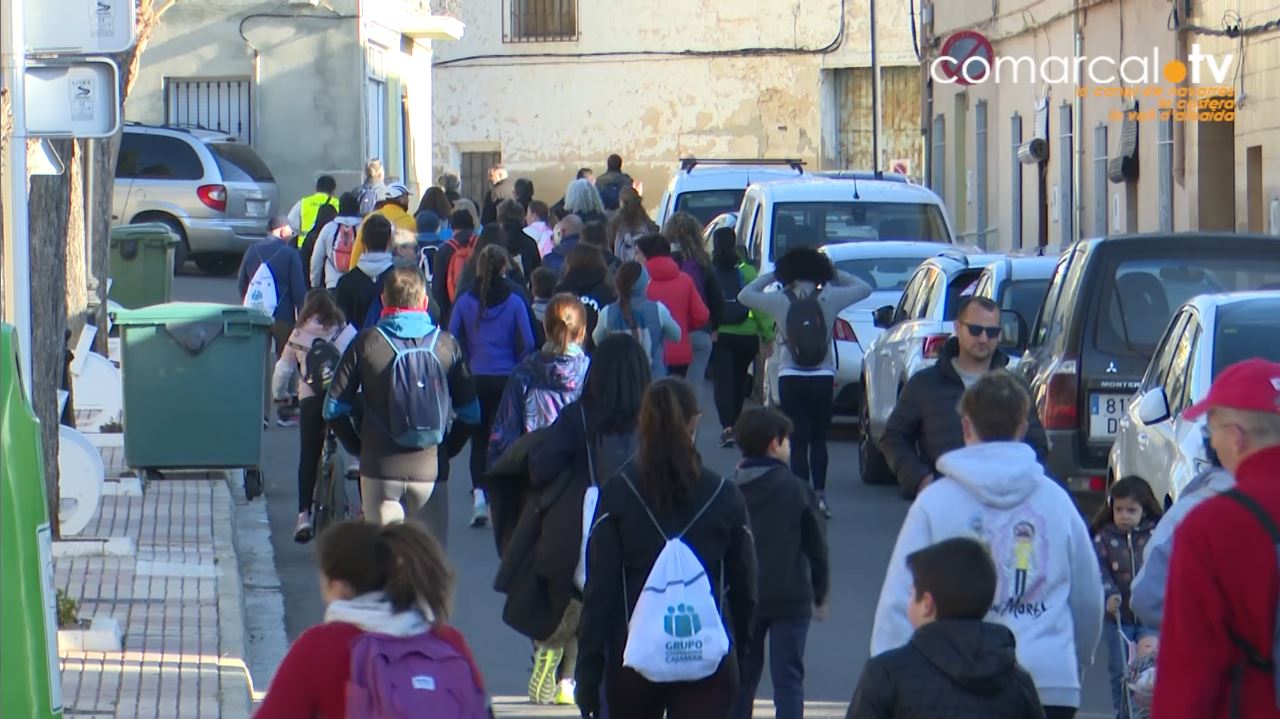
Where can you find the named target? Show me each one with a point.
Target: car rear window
(1245, 330)
(815, 224)
(709, 204)
(239, 163)
(157, 157)
(962, 285)
(883, 274)
(1144, 293)
(1024, 297)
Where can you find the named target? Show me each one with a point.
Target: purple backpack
(408, 677)
(694, 270)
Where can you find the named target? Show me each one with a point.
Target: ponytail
(403, 561)
(625, 282)
(491, 266)
(668, 461)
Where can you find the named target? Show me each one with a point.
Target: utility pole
(875, 96)
(13, 61)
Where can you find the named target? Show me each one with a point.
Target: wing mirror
(1153, 406)
(1013, 331)
(883, 317)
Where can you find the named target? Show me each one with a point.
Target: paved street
(861, 537)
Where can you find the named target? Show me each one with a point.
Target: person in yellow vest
(303, 214)
(393, 204)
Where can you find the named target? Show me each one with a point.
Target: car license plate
(255, 208)
(1105, 411)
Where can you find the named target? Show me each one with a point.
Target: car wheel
(182, 250)
(217, 265)
(872, 465)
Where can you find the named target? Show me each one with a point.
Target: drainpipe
(1077, 131)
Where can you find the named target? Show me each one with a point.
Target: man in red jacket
(676, 290)
(1223, 580)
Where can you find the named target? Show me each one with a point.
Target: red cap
(1252, 385)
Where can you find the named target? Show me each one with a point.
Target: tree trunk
(47, 205)
(77, 278)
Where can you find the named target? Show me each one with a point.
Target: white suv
(707, 189)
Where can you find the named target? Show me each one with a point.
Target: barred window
(541, 21)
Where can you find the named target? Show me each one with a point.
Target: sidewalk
(177, 599)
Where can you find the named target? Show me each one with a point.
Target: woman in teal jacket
(739, 336)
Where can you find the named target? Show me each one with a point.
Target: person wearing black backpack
(739, 336)
(813, 294)
(358, 289)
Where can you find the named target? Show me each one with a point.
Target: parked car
(1206, 335)
(214, 192)
(709, 188)
(1017, 284)
(1106, 306)
(914, 331)
(819, 212)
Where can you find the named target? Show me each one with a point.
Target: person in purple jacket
(492, 323)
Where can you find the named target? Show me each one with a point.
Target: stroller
(1140, 674)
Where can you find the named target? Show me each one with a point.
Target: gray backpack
(1254, 658)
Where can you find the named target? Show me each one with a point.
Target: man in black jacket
(792, 561)
(956, 664)
(502, 189)
(925, 423)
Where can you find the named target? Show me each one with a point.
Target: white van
(707, 189)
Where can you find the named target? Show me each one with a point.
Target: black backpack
(731, 282)
(807, 337)
(321, 363)
(1253, 657)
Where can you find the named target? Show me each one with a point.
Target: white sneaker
(303, 531)
(480, 511)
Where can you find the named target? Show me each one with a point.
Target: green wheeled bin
(141, 267)
(31, 683)
(194, 387)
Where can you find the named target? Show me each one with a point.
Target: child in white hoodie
(1049, 593)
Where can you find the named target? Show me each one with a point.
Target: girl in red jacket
(675, 289)
(391, 580)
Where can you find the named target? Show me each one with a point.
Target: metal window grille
(1066, 202)
(939, 159)
(1015, 176)
(980, 193)
(1100, 180)
(475, 173)
(540, 21)
(221, 104)
(1164, 144)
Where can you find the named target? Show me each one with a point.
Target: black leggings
(631, 696)
(730, 359)
(311, 432)
(489, 393)
(678, 370)
(807, 401)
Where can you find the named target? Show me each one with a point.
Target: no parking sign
(965, 58)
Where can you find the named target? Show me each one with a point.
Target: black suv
(1103, 315)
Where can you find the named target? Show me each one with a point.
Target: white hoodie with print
(323, 271)
(1048, 590)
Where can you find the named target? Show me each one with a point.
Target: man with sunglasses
(925, 424)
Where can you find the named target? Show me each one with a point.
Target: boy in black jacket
(956, 664)
(792, 556)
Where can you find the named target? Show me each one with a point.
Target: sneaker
(726, 437)
(542, 682)
(287, 421)
(823, 506)
(266, 422)
(564, 695)
(303, 531)
(480, 512)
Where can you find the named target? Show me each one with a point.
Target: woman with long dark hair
(665, 492)
(804, 382)
(647, 321)
(493, 325)
(739, 336)
(629, 224)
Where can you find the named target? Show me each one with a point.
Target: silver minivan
(214, 192)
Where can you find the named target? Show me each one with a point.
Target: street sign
(72, 99)
(79, 27)
(900, 167)
(966, 57)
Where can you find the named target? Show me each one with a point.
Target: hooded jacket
(836, 295)
(1048, 593)
(950, 668)
(676, 290)
(1146, 595)
(299, 346)
(358, 289)
(495, 333)
(592, 287)
(323, 272)
(793, 561)
(1120, 558)
(400, 220)
(541, 385)
(285, 263)
(312, 679)
(925, 425)
(556, 258)
(652, 317)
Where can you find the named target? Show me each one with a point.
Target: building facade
(1110, 89)
(316, 88)
(548, 86)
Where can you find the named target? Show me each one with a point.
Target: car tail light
(213, 196)
(1097, 484)
(1062, 398)
(844, 331)
(932, 345)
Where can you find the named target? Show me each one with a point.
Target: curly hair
(804, 264)
(582, 197)
(402, 560)
(685, 231)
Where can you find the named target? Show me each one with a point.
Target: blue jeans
(1116, 664)
(786, 668)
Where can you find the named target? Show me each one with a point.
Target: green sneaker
(542, 682)
(564, 695)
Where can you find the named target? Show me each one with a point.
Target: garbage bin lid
(185, 312)
(156, 233)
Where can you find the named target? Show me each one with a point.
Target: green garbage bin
(142, 264)
(194, 385)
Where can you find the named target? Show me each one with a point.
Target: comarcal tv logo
(1198, 88)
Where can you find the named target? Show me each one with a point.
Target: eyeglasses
(977, 330)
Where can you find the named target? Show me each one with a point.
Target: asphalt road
(861, 536)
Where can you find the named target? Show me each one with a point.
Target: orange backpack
(461, 253)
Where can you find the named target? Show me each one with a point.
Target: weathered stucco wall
(549, 116)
